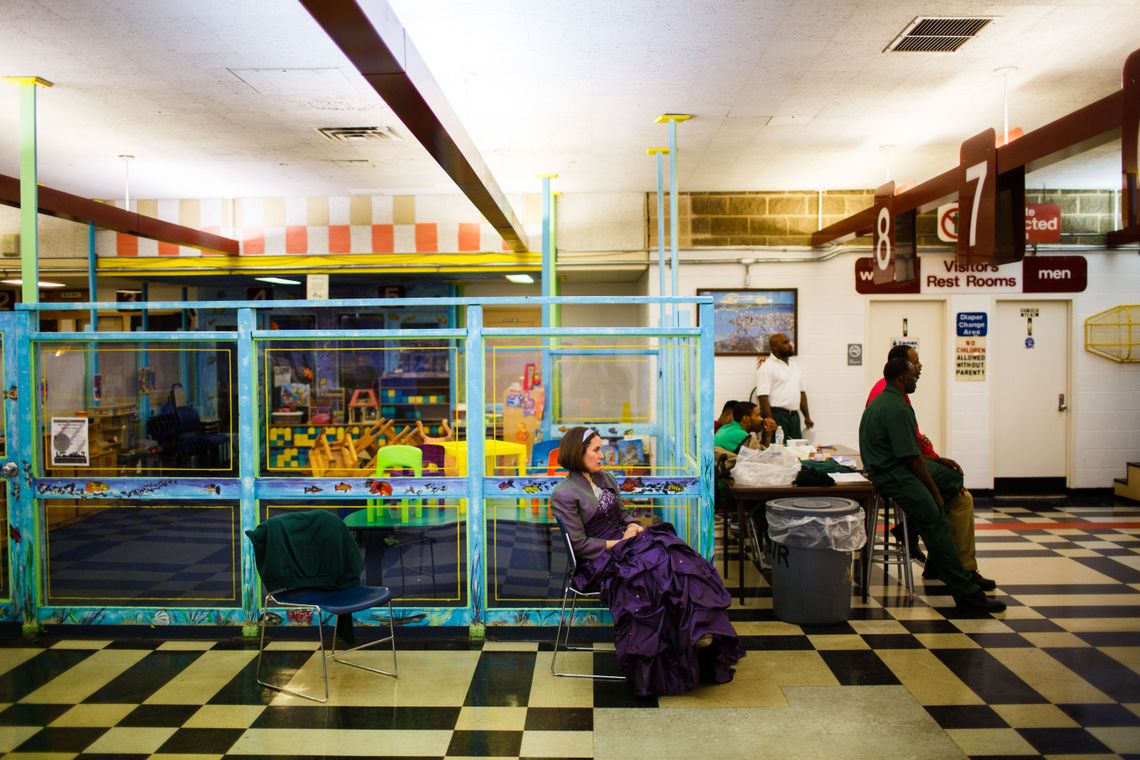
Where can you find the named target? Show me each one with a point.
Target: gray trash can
(812, 541)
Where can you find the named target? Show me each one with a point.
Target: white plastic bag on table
(844, 533)
(774, 466)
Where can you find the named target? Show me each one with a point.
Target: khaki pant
(960, 515)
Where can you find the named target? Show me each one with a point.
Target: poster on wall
(970, 359)
(745, 318)
(970, 351)
(69, 442)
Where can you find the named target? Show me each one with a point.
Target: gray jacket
(574, 502)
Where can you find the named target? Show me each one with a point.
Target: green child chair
(398, 457)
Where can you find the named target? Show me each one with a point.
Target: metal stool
(886, 546)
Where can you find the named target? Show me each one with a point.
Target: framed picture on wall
(745, 318)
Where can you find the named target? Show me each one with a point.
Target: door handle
(1061, 405)
(10, 470)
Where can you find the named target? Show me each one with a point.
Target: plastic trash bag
(773, 466)
(843, 533)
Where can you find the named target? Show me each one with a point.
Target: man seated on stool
(746, 419)
(888, 445)
(959, 510)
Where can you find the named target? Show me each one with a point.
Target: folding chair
(317, 533)
(568, 589)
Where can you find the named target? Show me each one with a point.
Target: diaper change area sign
(970, 351)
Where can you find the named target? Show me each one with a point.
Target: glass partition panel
(527, 556)
(331, 406)
(606, 381)
(141, 555)
(3, 408)
(417, 549)
(126, 409)
(516, 393)
(5, 566)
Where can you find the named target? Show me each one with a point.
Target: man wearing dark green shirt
(888, 444)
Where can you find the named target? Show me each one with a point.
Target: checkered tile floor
(1057, 675)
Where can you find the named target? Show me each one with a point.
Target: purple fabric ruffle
(664, 597)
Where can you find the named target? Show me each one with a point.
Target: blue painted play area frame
(683, 446)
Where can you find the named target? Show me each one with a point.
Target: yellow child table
(457, 450)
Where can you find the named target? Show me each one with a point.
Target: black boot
(980, 601)
(984, 583)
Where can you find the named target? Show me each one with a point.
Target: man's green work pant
(789, 420)
(922, 511)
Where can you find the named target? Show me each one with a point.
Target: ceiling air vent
(361, 134)
(937, 34)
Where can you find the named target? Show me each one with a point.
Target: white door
(1029, 351)
(922, 322)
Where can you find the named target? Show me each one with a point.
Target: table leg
(870, 520)
(724, 543)
(740, 544)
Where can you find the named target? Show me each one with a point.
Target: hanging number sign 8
(884, 270)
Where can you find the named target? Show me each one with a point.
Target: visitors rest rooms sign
(941, 273)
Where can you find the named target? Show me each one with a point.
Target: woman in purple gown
(668, 603)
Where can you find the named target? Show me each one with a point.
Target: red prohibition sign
(948, 223)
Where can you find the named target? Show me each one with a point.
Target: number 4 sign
(977, 198)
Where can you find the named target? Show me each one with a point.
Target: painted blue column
(21, 450)
(549, 289)
(92, 291)
(476, 426)
(248, 462)
(674, 223)
(660, 229)
(29, 189)
(144, 361)
(188, 379)
(706, 374)
(93, 323)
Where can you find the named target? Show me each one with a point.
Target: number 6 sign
(977, 198)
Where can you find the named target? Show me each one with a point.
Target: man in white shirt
(780, 387)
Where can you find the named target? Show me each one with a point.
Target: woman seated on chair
(668, 603)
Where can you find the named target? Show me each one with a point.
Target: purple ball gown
(663, 597)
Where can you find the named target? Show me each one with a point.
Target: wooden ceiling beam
(75, 208)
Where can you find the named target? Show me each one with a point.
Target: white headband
(587, 432)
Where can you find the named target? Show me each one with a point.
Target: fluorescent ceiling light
(277, 280)
(520, 279)
(44, 284)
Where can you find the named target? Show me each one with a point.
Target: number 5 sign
(977, 198)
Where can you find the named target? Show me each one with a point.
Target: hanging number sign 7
(977, 198)
(884, 269)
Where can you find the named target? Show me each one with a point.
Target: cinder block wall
(751, 219)
(725, 219)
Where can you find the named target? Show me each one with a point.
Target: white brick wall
(1104, 395)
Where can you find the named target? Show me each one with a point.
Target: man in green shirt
(745, 419)
(888, 444)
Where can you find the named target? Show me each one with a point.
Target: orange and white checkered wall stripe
(336, 225)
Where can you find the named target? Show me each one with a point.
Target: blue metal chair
(330, 536)
(570, 590)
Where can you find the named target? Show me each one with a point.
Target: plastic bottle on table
(778, 440)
